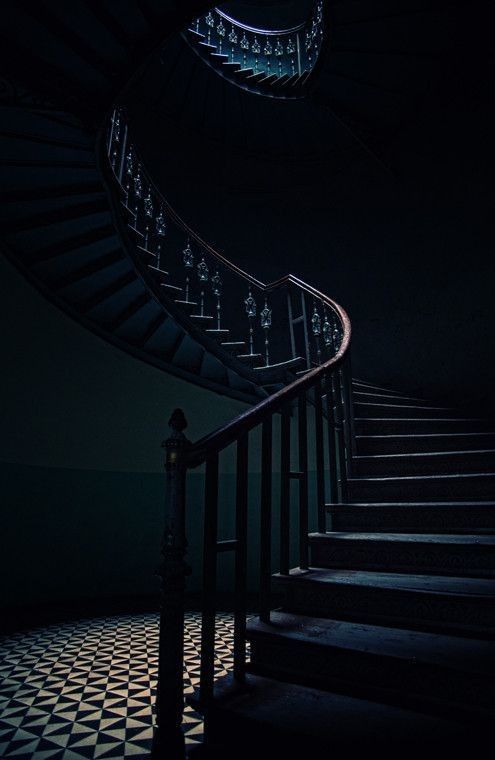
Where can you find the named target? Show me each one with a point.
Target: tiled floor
(85, 689)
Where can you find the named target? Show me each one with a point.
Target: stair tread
(451, 477)
(406, 504)
(430, 538)
(406, 436)
(437, 584)
(467, 655)
(422, 454)
(325, 716)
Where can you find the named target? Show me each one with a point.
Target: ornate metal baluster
(268, 50)
(188, 259)
(210, 21)
(316, 328)
(256, 48)
(148, 214)
(291, 49)
(233, 41)
(216, 286)
(250, 305)
(327, 331)
(221, 34)
(129, 171)
(244, 43)
(266, 323)
(203, 274)
(279, 51)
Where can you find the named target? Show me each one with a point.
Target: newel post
(168, 739)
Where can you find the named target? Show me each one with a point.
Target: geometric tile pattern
(85, 689)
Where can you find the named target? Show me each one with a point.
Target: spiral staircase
(385, 629)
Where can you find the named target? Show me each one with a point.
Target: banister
(246, 421)
(255, 30)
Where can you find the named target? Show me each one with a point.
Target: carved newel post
(168, 739)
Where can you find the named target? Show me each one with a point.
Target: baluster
(327, 332)
(285, 490)
(203, 274)
(350, 403)
(216, 286)
(320, 457)
(148, 214)
(266, 520)
(138, 194)
(302, 422)
(161, 229)
(266, 323)
(346, 417)
(337, 407)
(188, 259)
(241, 558)
(291, 49)
(221, 34)
(207, 666)
(279, 51)
(332, 447)
(129, 170)
(122, 155)
(244, 43)
(233, 40)
(316, 328)
(169, 694)
(267, 50)
(250, 305)
(210, 22)
(256, 48)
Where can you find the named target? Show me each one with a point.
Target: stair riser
(465, 462)
(365, 411)
(403, 608)
(384, 426)
(469, 519)
(423, 489)
(406, 682)
(416, 443)
(420, 558)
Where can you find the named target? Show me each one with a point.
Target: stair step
(281, 81)
(244, 73)
(423, 487)
(416, 425)
(217, 332)
(302, 721)
(170, 287)
(208, 46)
(220, 57)
(415, 517)
(382, 398)
(437, 603)
(256, 77)
(429, 671)
(233, 343)
(433, 442)
(157, 270)
(405, 552)
(185, 303)
(401, 410)
(196, 35)
(365, 387)
(201, 317)
(250, 357)
(231, 66)
(145, 250)
(440, 462)
(269, 79)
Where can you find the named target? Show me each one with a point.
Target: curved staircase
(383, 632)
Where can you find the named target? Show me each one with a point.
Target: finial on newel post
(168, 738)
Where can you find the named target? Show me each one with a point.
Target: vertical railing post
(332, 446)
(302, 423)
(339, 429)
(241, 525)
(207, 667)
(285, 490)
(170, 694)
(320, 457)
(266, 520)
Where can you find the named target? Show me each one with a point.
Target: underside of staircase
(386, 643)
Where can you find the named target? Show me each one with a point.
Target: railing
(267, 332)
(273, 56)
(321, 392)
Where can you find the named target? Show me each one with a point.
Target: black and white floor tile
(85, 689)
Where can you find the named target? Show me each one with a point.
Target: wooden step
(367, 397)
(428, 671)
(443, 604)
(434, 442)
(401, 410)
(429, 553)
(424, 463)
(415, 425)
(415, 517)
(365, 387)
(293, 721)
(465, 487)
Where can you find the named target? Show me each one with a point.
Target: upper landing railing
(276, 62)
(266, 332)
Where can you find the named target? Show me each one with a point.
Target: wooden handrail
(246, 421)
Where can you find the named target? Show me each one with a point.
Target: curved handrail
(326, 338)
(255, 30)
(246, 421)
